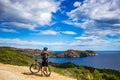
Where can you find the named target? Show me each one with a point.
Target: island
(75, 54)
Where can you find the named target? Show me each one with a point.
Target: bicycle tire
(34, 68)
(49, 73)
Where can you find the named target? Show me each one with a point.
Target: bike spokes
(34, 68)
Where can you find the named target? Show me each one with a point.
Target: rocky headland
(75, 53)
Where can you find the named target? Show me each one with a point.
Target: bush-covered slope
(10, 56)
(85, 72)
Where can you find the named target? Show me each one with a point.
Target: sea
(103, 60)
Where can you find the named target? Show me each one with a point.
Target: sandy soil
(11, 72)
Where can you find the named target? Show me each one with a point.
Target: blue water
(104, 59)
(57, 52)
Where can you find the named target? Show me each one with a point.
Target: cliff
(76, 53)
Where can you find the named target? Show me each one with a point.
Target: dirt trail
(11, 72)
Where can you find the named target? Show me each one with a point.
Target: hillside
(10, 56)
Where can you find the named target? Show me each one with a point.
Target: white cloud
(92, 41)
(103, 32)
(19, 25)
(87, 40)
(116, 25)
(85, 24)
(88, 24)
(69, 32)
(94, 44)
(76, 4)
(18, 42)
(8, 30)
(98, 10)
(53, 32)
(97, 17)
(33, 12)
(72, 23)
(86, 37)
(49, 32)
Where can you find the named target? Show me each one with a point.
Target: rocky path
(12, 72)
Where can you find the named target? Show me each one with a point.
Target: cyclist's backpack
(44, 55)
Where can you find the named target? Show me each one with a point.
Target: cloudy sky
(60, 24)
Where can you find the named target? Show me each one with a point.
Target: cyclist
(44, 56)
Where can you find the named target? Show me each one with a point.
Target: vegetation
(85, 72)
(10, 56)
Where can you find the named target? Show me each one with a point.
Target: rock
(76, 53)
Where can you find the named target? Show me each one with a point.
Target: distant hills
(76, 53)
(65, 54)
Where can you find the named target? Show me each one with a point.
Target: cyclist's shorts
(45, 63)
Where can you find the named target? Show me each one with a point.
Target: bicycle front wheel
(34, 68)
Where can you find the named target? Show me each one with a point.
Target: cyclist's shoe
(47, 75)
(41, 75)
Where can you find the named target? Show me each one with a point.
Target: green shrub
(9, 56)
(85, 72)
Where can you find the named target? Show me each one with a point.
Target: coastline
(104, 60)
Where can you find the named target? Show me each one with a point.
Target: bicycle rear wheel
(49, 71)
(34, 68)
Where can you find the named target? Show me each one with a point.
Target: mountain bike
(37, 66)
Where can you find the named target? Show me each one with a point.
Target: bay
(104, 59)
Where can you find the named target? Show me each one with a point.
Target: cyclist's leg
(42, 69)
(47, 70)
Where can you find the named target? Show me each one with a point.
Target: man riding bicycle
(44, 56)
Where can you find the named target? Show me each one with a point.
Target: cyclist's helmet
(45, 48)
